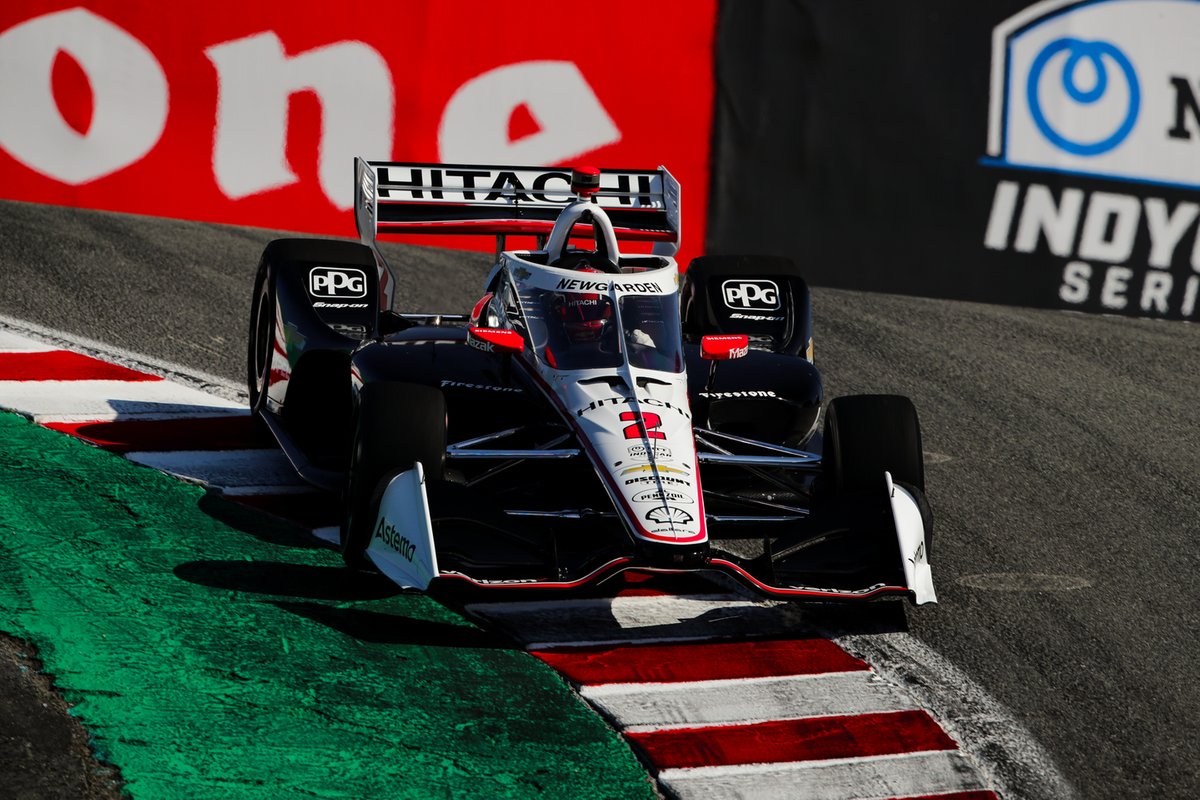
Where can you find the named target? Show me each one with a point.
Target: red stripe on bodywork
(703, 661)
(231, 432)
(63, 365)
(794, 740)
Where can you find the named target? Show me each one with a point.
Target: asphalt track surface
(1062, 451)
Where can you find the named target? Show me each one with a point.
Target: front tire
(397, 424)
(866, 435)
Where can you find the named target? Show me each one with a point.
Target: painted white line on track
(103, 401)
(873, 778)
(194, 378)
(263, 469)
(11, 342)
(652, 706)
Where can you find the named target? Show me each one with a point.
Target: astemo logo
(1102, 87)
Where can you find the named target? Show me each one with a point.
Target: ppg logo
(751, 295)
(337, 283)
(1083, 96)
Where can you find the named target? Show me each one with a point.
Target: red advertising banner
(251, 113)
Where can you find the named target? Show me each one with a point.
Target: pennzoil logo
(661, 496)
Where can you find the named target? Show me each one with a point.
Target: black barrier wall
(1043, 155)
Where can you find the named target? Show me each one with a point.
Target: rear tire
(866, 435)
(261, 339)
(397, 424)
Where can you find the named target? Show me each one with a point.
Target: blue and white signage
(1107, 88)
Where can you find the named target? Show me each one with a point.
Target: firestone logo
(1105, 93)
(256, 78)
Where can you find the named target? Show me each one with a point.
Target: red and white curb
(168, 425)
(717, 715)
(714, 712)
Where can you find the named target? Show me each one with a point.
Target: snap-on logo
(751, 295)
(337, 283)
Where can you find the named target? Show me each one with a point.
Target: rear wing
(398, 198)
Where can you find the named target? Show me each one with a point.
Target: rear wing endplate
(401, 198)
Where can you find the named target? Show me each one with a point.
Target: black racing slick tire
(866, 435)
(396, 425)
(261, 341)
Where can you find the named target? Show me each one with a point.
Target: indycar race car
(596, 412)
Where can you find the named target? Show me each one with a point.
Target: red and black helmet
(584, 315)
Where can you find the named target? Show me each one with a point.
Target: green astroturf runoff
(214, 653)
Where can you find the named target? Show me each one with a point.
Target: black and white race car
(596, 412)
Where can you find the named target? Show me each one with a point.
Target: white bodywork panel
(402, 543)
(910, 530)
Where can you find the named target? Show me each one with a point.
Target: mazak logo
(340, 283)
(751, 295)
(1106, 95)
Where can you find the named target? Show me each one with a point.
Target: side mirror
(495, 340)
(724, 347)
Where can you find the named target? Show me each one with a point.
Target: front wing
(853, 548)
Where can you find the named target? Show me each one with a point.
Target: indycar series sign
(251, 114)
(1095, 118)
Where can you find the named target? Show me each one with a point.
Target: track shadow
(378, 628)
(888, 616)
(288, 580)
(259, 524)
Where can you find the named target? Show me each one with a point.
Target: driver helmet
(584, 315)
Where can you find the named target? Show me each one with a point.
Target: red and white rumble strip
(717, 715)
(723, 696)
(165, 424)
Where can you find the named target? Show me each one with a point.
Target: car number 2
(646, 422)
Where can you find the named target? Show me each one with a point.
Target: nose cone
(642, 447)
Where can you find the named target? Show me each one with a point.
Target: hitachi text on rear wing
(399, 198)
